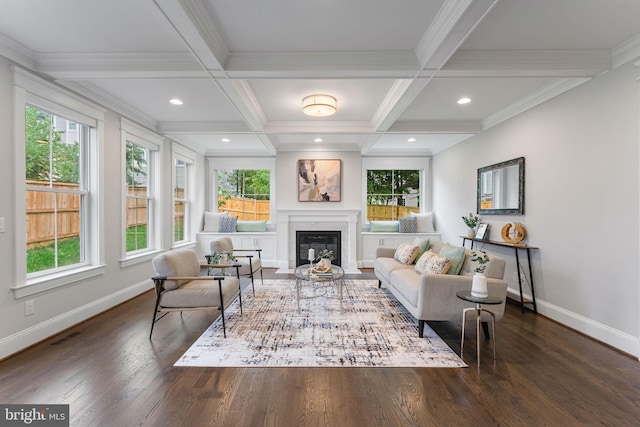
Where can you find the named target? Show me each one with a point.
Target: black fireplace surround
(317, 240)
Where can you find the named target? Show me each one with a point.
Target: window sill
(56, 280)
(138, 258)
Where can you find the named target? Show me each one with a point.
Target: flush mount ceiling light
(464, 100)
(319, 105)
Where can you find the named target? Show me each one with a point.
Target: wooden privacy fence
(41, 208)
(245, 209)
(387, 213)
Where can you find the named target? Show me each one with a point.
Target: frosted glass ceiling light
(319, 105)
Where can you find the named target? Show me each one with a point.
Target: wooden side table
(466, 296)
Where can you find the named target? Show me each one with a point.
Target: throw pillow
(406, 253)
(432, 263)
(251, 226)
(384, 226)
(228, 224)
(408, 224)
(456, 255)
(425, 222)
(422, 244)
(212, 221)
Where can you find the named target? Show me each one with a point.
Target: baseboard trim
(620, 340)
(26, 338)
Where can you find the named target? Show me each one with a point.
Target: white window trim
(253, 163)
(30, 89)
(179, 152)
(138, 135)
(399, 163)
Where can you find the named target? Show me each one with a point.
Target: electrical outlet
(29, 308)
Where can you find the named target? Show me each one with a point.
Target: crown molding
(310, 127)
(112, 103)
(436, 126)
(120, 65)
(193, 22)
(527, 63)
(219, 127)
(546, 93)
(626, 52)
(17, 52)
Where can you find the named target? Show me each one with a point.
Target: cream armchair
(248, 259)
(180, 285)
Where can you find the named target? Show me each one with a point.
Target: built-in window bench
(244, 240)
(371, 241)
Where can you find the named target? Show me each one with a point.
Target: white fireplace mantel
(290, 221)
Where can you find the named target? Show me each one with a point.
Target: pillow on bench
(251, 226)
(384, 226)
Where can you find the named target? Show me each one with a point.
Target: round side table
(466, 296)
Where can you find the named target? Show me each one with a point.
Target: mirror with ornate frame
(501, 188)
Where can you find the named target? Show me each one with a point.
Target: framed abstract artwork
(320, 180)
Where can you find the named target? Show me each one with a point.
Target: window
(58, 182)
(394, 187)
(244, 193)
(244, 187)
(180, 201)
(56, 191)
(141, 177)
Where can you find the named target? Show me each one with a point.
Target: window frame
(234, 163)
(181, 153)
(131, 132)
(29, 89)
(423, 164)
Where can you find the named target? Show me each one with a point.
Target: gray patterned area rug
(373, 329)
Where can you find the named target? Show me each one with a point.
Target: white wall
(582, 191)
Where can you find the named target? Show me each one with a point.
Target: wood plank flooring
(111, 374)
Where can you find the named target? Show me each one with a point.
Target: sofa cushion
(212, 221)
(456, 255)
(384, 267)
(406, 282)
(424, 222)
(201, 293)
(422, 244)
(406, 253)
(432, 263)
(408, 224)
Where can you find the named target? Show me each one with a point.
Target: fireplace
(318, 240)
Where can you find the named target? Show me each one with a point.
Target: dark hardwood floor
(111, 374)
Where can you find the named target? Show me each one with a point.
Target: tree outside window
(244, 193)
(55, 191)
(392, 194)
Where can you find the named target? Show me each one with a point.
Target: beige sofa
(433, 296)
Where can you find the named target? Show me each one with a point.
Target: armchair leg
(155, 313)
(421, 328)
(261, 277)
(224, 327)
(253, 288)
(379, 283)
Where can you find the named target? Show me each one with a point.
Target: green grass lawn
(43, 257)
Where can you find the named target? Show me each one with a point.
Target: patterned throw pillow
(228, 224)
(408, 224)
(406, 253)
(432, 263)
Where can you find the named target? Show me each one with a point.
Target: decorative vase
(471, 233)
(479, 286)
(325, 263)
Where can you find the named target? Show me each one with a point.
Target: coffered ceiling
(397, 68)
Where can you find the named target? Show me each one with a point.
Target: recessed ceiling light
(176, 101)
(225, 140)
(464, 100)
(411, 140)
(317, 140)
